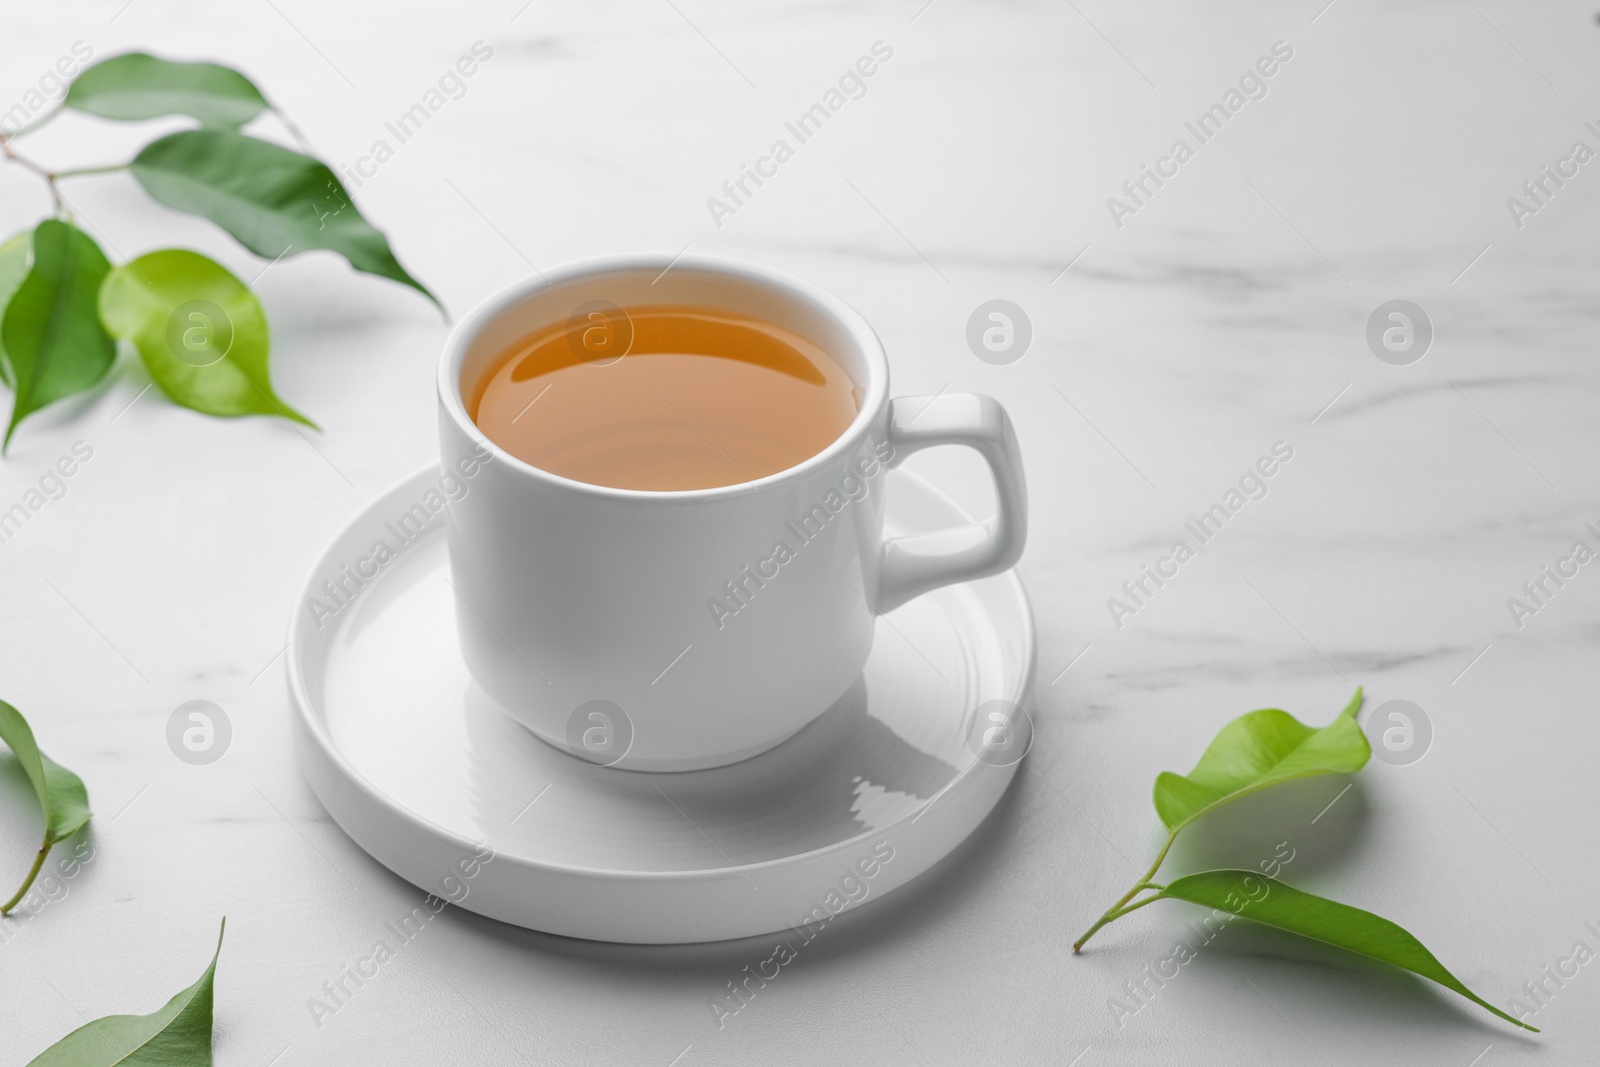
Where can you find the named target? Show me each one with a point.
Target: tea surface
(702, 397)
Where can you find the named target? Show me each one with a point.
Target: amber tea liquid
(702, 397)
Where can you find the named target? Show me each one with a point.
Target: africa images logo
(1252, 85)
(341, 590)
(852, 85)
(742, 588)
(852, 887)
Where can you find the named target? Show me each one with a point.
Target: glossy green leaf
(16, 255)
(138, 86)
(179, 1035)
(1256, 750)
(51, 331)
(1273, 903)
(201, 333)
(63, 800)
(274, 201)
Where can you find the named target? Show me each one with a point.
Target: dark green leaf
(63, 800)
(51, 330)
(201, 333)
(179, 1035)
(1272, 903)
(1256, 750)
(274, 201)
(139, 86)
(15, 257)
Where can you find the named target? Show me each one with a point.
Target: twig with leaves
(200, 331)
(1254, 752)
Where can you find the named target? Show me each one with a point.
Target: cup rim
(860, 331)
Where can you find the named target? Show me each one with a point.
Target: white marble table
(1225, 314)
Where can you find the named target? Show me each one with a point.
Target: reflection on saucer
(845, 774)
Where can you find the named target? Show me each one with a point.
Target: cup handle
(917, 563)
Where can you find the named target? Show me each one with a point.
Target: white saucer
(424, 773)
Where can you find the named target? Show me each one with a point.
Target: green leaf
(63, 800)
(15, 257)
(51, 331)
(201, 333)
(179, 1035)
(1273, 903)
(138, 86)
(1256, 750)
(274, 201)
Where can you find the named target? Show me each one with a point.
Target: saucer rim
(312, 728)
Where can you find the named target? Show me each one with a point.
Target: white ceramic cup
(666, 631)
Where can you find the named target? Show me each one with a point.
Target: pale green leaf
(1271, 902)
(16, 255)
(51, 332)
(179, 1035)
(18, 736)
(63, 800)
(69, 800)
(1257, 750)
(138, 86)
(274, 201)
(201, 333)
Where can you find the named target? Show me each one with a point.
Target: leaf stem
(1117, 910)
(37, 125)
(33, 872)
(1136, 905)
(50, 177)
(78, 172)
(28, 164)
